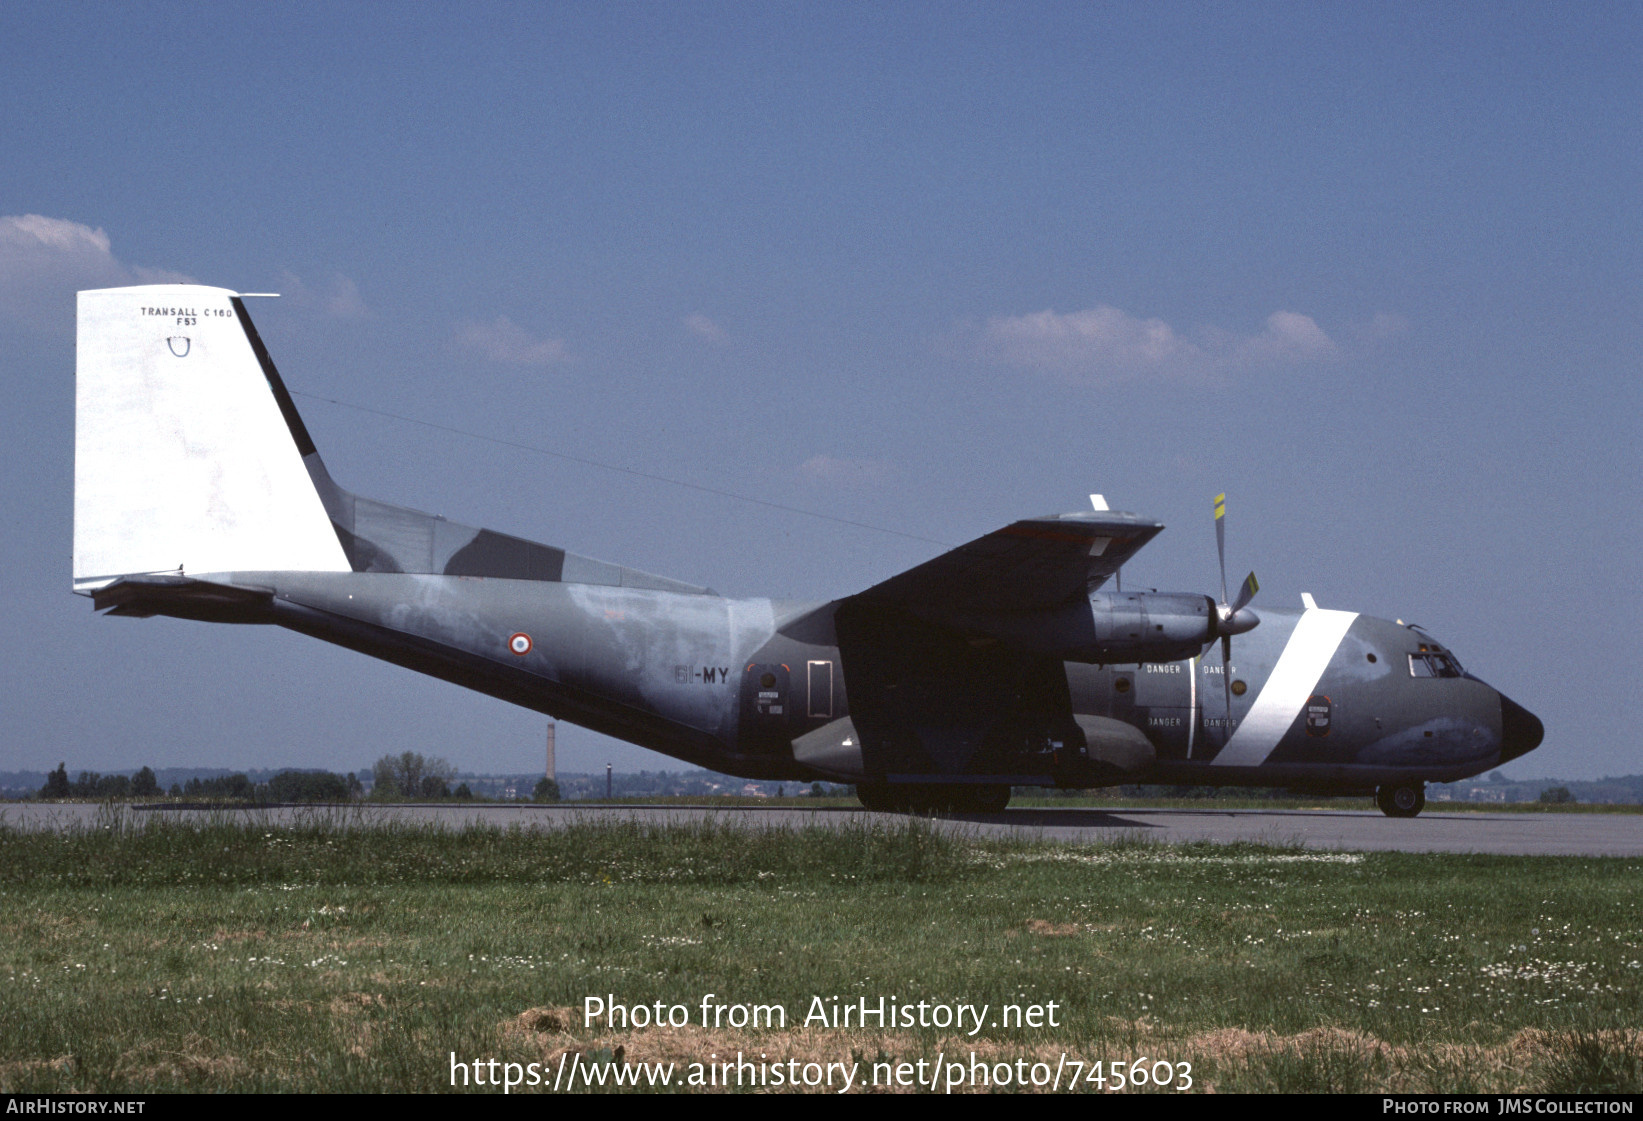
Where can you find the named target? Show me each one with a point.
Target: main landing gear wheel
(990, 799)
(1403, 800)
(877, 796)
(882, 797)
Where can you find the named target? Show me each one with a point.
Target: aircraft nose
(1520, 730)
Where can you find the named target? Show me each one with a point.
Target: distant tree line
(228, 786)
(313, 786)
(286, 786)
(407, 777)
(90, 784)
(413, 777)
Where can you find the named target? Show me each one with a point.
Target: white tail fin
(183, 460)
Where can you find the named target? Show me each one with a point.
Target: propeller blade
(1231, 618)
(1221, 540)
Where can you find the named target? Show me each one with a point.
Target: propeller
(1231, 618)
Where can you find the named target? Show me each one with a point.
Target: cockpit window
(1433, 663)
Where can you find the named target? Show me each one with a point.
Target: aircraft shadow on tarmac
(1049, 819)
(1045, 818)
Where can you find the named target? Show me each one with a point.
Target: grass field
(341, 956)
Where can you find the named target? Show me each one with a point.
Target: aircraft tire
(989, 799)
(878, 797)
(959, 798)
(1406, 799)
(924, 798)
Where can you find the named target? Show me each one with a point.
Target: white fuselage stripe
(1192, 704)
(1311, 646)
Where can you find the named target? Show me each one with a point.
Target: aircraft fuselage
(751, 687)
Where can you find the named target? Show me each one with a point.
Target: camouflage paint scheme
(1001, 663)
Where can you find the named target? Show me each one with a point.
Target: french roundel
(520, 643)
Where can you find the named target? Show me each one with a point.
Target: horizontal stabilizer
(182, 596)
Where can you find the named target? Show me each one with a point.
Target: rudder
(184, 461)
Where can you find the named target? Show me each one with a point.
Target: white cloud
(338, 298)
(704, 328)
(1384, 325)
(838, 471)
(44, 261)
(344, 300)
(1107, 342)
(1101, 339)
(1289, 337)
(502, 340)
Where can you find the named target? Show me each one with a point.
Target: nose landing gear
(1404, 799)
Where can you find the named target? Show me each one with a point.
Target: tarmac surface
(1519, 834)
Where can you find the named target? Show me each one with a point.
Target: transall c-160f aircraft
(1004, 662)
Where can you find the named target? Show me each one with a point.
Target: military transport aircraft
(1005, 662)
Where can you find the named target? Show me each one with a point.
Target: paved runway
(1526, 834)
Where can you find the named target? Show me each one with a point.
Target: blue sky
(1372, 270)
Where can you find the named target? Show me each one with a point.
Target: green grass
(335, 955)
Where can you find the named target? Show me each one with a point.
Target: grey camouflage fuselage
(760, 688)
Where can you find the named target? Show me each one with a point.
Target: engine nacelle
(1111, 627)
(1148, 627)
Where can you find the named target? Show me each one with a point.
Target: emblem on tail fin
(179, 345)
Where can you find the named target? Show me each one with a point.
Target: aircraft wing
(1032, 565)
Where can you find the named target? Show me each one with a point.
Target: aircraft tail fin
(188, 452)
